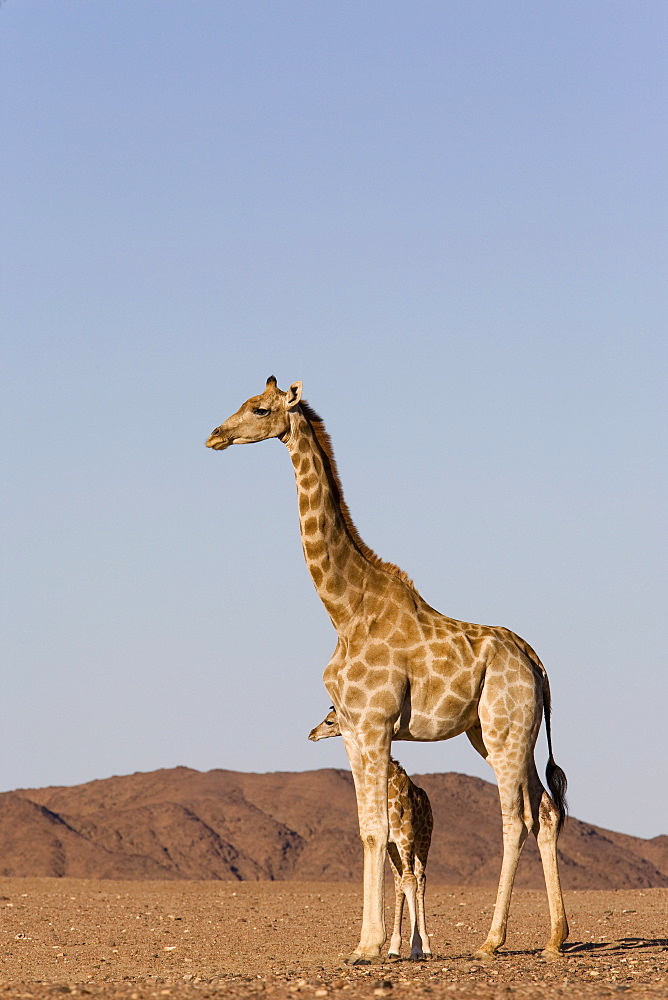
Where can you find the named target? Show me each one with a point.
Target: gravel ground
(137, 940)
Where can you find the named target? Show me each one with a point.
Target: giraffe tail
(556, 778)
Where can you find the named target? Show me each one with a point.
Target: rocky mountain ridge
(180, 823)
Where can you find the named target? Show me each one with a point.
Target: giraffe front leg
(369, 769)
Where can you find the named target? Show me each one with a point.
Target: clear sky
(449, 220)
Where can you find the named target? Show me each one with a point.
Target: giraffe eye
(260, 412)
(329, 722)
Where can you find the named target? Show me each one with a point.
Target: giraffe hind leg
(513, 785)
(546, 831)
(525, 807)
(514, 836)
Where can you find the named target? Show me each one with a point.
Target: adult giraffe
(403, 671)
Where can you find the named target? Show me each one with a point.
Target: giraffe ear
(294, 395)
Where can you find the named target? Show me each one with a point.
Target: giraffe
(403, 671)
(411, 823)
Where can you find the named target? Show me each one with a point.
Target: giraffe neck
(338, 566)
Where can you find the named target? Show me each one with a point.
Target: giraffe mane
(325, 444)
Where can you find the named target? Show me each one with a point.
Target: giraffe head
(328, 727)
(260, 417)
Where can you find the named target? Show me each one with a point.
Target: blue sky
(449, 221)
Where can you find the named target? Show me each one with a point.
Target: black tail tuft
(556, 779)
(557, 783)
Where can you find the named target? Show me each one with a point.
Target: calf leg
(421, 922)
(395, 863)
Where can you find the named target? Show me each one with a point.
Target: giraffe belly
(424, 728)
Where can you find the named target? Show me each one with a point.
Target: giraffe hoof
(552, 954)
(484, 956)
(356, 959)
(393, 956)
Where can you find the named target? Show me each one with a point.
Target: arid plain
(190, 939)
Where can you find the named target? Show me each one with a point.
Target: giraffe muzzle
(217, 442)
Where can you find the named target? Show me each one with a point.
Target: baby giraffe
(411, 823)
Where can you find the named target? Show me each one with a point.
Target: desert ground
(194, 939)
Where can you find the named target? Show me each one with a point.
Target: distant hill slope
(182, 823)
